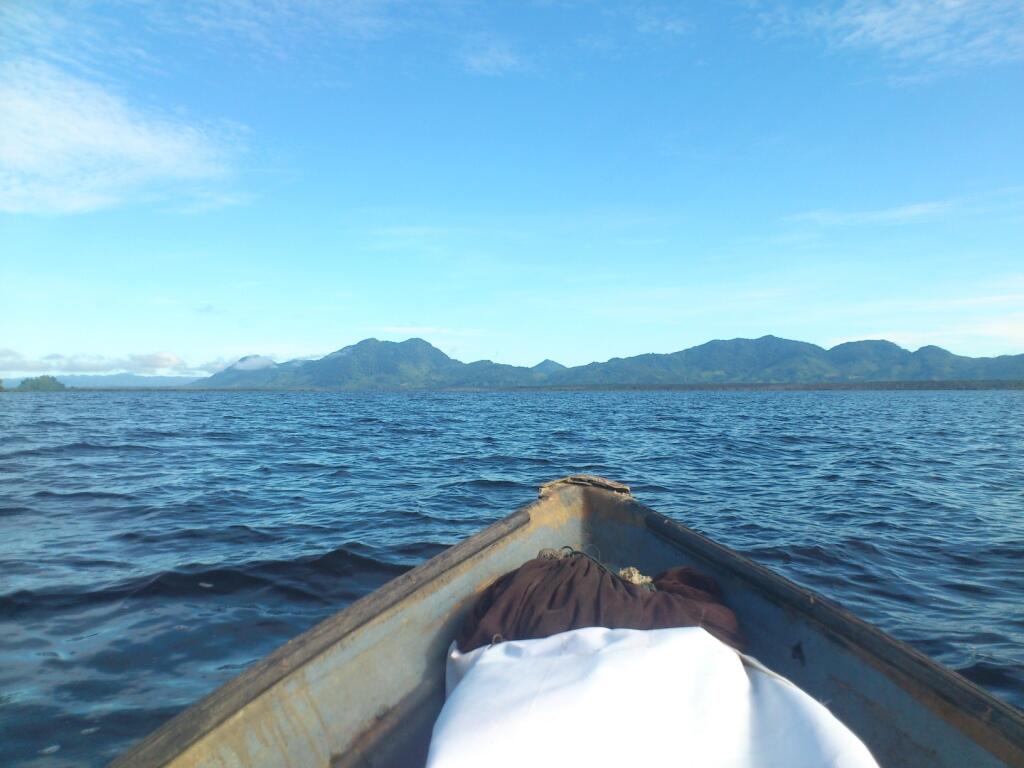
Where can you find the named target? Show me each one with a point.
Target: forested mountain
(416, 364)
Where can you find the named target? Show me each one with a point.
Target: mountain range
(416, 364)
(113, 381)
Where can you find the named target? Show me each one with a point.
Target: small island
(40, 384)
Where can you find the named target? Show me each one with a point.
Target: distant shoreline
(768, 363)
(958, 385)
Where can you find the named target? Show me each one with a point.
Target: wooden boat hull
(363, 687)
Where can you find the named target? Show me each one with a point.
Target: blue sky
(185, 183)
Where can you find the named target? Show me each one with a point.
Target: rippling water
(154, 544)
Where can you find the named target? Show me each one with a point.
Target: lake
(153, 544)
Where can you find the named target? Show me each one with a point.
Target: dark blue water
(154, 544)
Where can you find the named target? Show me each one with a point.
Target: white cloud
(254, 363)
(896, 215)
(982, 337)
(987, 319)
(145, 363)
(945, 33)
(1008, 329)
(69, 145)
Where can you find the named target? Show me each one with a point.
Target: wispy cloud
(660, 20)
(147, 363)
(963, 302)
(991, 336)
(1008, 329)
(895, 215)
(423, 330)
(201, 199)
(279, 27)
(492, 58)
(1007, 295)
(945, 33)
(69, 145)
(87, 41)
(982, 319)
(99, 37)
(74, 138)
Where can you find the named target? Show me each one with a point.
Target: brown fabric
(546, 596)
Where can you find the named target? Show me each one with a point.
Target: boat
(364, 687)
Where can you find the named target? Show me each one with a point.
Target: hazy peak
(548, 365)
(253, 363)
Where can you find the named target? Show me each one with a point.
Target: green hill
(40, 384)
(416, 364)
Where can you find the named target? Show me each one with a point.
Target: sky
(184, 183)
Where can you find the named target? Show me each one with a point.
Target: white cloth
(631, 699)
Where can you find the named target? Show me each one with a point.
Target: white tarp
(631, 699)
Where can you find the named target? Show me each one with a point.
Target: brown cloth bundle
(546, 596)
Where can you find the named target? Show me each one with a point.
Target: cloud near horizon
(145, 364)
(254, 363)
(1007, 329)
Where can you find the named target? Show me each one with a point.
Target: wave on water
(157, 543)
(326, 578)
(81, 495)
(78, 448)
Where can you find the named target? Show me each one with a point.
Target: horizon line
(200, 373)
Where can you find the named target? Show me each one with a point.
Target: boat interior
(364, 687)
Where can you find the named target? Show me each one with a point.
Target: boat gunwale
(994, 718)
(196, 721)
